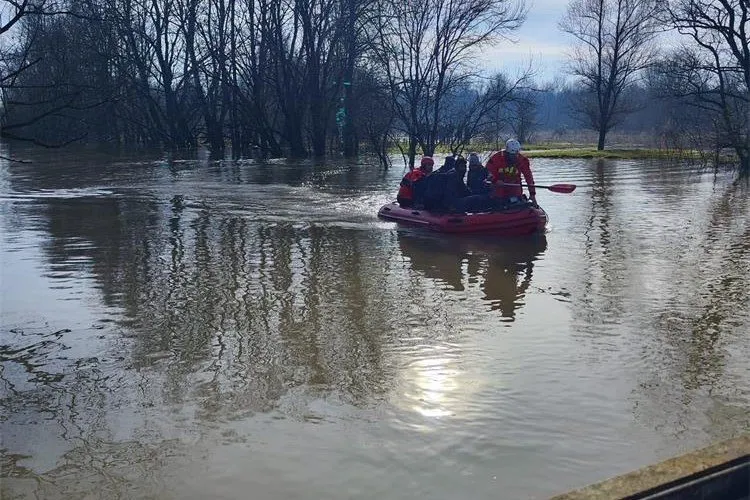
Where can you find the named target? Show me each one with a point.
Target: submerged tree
(13, 12)
(34, 84)
(714, 73)
(615, 43)
(374, 121)
(274, 77)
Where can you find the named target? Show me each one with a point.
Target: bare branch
(615, 45)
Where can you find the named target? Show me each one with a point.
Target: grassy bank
(571, 150)
(630, 153)
(621, 154)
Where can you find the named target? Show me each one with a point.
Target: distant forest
(314, 77)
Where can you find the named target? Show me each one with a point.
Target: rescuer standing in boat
(505, 169)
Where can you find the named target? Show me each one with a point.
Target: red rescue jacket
(406, 190)
(502, 171)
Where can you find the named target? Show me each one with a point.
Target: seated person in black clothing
(479, 199)
(478, 175)
(435, 187)
(457, 187)
(444, 189)
(461, 169)
(448, 165)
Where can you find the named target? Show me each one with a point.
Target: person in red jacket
(405, 196)
(506, 167)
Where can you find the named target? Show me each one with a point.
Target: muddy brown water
(182, 327)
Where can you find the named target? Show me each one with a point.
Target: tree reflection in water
(503, 267)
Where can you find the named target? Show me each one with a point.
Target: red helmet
(427, 161)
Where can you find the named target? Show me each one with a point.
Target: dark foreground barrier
(719, 472)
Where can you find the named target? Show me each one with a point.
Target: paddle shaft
(555, 188)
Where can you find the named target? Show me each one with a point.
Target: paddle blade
(562, 188)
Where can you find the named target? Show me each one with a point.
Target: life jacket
(406, 188)
(504, 172)
(501, 171)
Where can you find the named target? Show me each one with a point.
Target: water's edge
(719, 471)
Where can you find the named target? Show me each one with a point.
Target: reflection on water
(181, 326)
(603, 283)
(435, 380)
(703, 326)
(502, 267)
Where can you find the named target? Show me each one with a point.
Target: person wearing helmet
(408, 190)
(505, 170)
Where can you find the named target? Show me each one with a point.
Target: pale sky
(539, 42)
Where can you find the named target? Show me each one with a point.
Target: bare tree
(50, 91)
(258, 116)
(474, 109)
(154, 52)
(355, 18)
(288, 56)
(376, 118)
(322, 32)
(523, 114)
(15, 58)
(615, 43)
(209, 43)
(13, 11)
(264, 74)
(714, 74)
(423, 48)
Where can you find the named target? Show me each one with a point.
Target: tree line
(311, 77)
(702, 84)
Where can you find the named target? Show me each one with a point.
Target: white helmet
(512, 146)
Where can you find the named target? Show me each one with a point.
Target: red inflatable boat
(517, 221)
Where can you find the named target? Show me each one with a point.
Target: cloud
(529, 48)
(546, 59)
(539, 43)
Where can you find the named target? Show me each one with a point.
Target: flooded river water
(180, 327)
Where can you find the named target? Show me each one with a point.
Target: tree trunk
(744, 166)
(348, 131)
(234, 114)
(214, 134)
(602, 137)
(318, 125)
(412, 152)
(295, 138)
